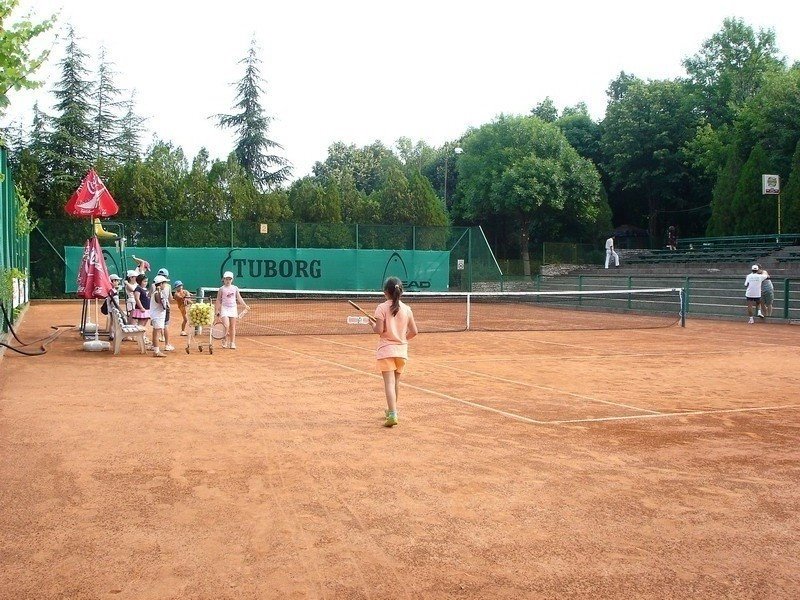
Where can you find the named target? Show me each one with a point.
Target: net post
(630, 286)
(468, 310)
(684, 305)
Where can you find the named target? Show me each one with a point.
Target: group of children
(152, 303)
(393, 320)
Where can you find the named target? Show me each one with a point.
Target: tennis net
(292, 312)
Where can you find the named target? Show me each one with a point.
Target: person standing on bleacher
(672, 238)
(610, 252)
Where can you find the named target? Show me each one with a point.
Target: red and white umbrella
(92, 199)
(93, 275)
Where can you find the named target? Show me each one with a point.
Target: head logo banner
(92, 199)
(93, 278)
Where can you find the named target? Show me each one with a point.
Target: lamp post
(456, 151)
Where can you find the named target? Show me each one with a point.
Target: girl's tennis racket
(218, 330)
(361, 310)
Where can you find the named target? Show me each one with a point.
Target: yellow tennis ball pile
(201, 314)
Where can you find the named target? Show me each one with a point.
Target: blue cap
(178, 282)
(163, 272)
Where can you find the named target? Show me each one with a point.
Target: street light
(456, 151)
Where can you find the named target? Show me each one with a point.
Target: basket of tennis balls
(201, 314)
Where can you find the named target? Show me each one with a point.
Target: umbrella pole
(96, 320)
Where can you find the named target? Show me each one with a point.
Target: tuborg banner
(283, 268)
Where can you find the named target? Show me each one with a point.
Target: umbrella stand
(96, 345)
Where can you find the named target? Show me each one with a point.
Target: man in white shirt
(753, 292)
(610, 252)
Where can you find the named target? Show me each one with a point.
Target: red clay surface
(606, 464)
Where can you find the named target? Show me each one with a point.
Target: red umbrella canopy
(93, 280)
(91, 199)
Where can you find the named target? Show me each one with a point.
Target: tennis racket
(218, 330)
(361, 310)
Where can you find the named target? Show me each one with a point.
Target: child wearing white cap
(167, 293)
(130, 288)
(158, 313)
(226, 307)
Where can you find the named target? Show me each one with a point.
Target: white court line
(408, 385)
(549, 389)
(515, 382)
(520, 417)
(682, 414)
(603, 355)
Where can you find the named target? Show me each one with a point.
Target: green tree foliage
(772, 117)
(128, 144)
(581, 131)
(357, 207)
(790, 196)
(72, 140)
(367, 166)
(754, 213)
(723, 220)
(546, 110)
(254, 150)
(17, 65)
(730, 68)
(107, 124)
(524, 169)
(644, 135)
(312, 202)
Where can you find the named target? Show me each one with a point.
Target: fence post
(166, 233)
(786, 298)
(231, 222)
(469, 253)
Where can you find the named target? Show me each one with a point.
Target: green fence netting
(454, 258)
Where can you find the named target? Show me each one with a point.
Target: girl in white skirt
(227, 308)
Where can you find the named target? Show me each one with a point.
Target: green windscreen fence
(300, 256)
(14, 261)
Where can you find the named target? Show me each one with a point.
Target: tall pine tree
(253, 148)
(106, 104)
(72, 142)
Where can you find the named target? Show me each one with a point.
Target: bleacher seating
(734, 249)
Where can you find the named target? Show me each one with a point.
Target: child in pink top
(394, 322)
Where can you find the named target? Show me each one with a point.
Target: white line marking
(520, 417)
(681, 414)
(408, 385)
(521, 383)
(549, 389)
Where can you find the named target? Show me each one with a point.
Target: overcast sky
(359, 71)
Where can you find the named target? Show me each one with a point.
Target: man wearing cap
(753, 292)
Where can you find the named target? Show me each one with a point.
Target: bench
(122, 330)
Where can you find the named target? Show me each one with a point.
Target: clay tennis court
(652, 463)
